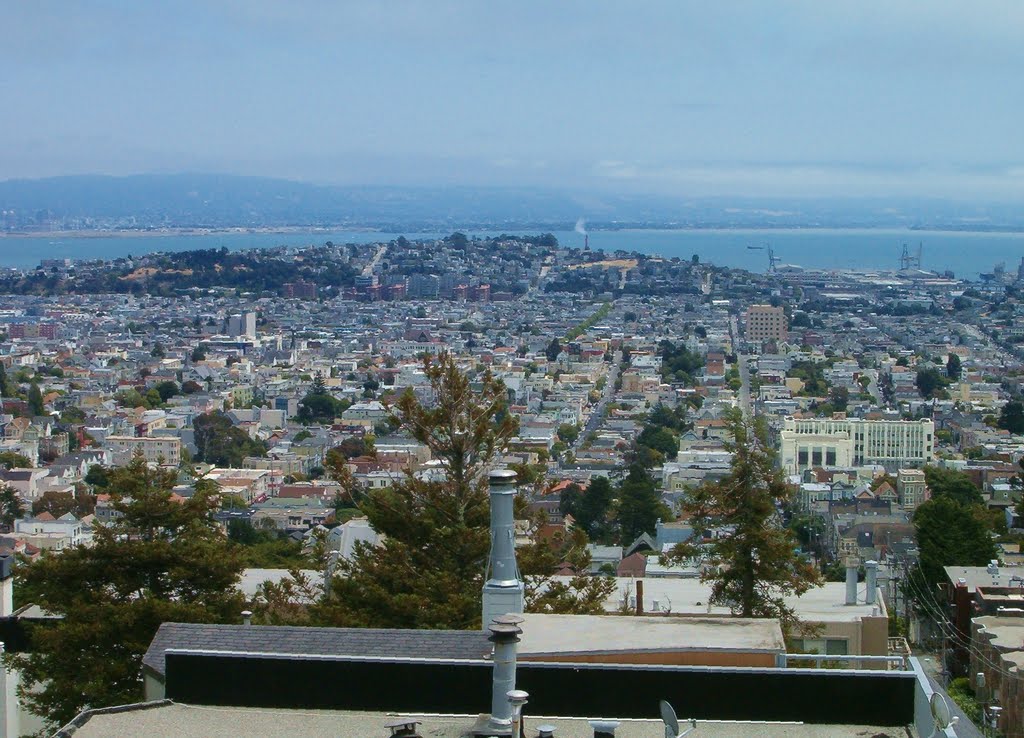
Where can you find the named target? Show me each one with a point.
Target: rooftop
(680, 596)
(578, 634)
(297, 641)
(185, 721)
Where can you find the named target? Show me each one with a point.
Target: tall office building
(242, 325)
(765, 323)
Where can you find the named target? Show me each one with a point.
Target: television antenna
(668, 716)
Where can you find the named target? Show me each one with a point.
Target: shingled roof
(285, 639)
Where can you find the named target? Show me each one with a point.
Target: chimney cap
(509, 618)
(501, 477)
(517, 697)
(503, 631)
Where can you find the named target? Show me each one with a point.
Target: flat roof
(168, 720)
(689, 596)
(593, 634)
(978, 576)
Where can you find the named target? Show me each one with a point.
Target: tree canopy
(1011, 417)
(952, 484)
(753, 560)
(221, 443)
(949, 533)
(428, 571)
(163, 560)
(11, 507)
(640, 505)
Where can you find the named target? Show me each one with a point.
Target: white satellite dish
(668, 716)
(942, 713)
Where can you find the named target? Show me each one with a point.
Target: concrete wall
(923, 721)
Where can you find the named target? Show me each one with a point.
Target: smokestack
(6, 586)
(639, 596)
(871, 577)
(505, 634)
(586, 242)
(503, 590)
(246, 617)
(851, 580)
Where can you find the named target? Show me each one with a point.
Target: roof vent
(604, 728)
(545, 731)
(403, 728)
(993, 567)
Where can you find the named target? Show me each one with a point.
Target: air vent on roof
(403, 728)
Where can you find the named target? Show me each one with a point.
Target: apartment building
(160, 450)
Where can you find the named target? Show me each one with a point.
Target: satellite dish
(941, 711)
(668, 716)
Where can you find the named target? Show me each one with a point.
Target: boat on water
(756, 248)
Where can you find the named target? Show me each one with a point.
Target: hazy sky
(818, 97)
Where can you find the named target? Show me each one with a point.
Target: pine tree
(953, 367)
(640, 505)
(163, 560)
(11, 507)
(35, 400)
(754, 563)
(428, 570)
(5, 390)
(319, 385)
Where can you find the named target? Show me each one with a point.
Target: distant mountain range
(217, 201)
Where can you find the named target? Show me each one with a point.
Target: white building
(159, 450)
(848, 442)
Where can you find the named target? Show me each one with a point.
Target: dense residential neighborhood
(884, 396)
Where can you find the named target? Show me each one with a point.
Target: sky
(781, 98)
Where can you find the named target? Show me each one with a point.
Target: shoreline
(179, 232)
(313, 230)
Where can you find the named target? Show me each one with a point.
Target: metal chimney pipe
(503, 591)
(246, 617)
(504, 635)
(871, 577)
(517, 699)
(851, 580)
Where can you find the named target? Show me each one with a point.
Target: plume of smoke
(581, 226)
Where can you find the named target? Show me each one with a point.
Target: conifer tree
(428, 570)
(35, 400)
(163, 560)
(11, 507)
(754, 564)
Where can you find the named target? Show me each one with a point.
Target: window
(822, 646)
